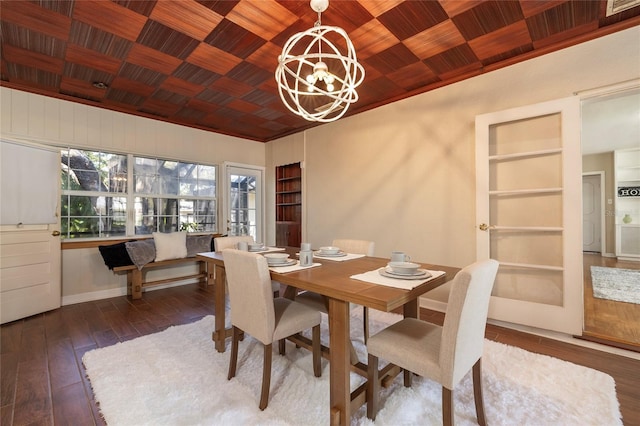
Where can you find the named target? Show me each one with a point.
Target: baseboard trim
(113, 292)
(434, 305)
(609, 341)
(567, 338)
(438, 306)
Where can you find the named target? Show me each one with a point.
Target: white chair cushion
(292, 317)
(411, 343)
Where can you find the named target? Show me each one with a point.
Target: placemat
(374, 277)
(348, 256)
(267, 250)
(292, 268)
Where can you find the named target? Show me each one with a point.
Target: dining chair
(319, 302)
(221, 243)
(444, 354)
(255, 311)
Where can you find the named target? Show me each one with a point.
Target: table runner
(375, 278)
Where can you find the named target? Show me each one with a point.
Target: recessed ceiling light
(100, 85)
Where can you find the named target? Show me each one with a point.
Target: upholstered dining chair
(319, 302)
(255, 311)
(442, 354)
(221, 243)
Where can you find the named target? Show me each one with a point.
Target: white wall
(62, 123)
(403, 175)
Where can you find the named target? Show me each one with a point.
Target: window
(172, 195)
(110, 195)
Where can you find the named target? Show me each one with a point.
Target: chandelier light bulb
(314, 50)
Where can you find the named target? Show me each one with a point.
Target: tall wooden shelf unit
(289, 205)
(627, 174)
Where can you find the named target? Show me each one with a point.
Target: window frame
(130, 214)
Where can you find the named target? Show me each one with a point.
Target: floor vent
(617, 6)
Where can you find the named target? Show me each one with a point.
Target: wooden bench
(136, 277)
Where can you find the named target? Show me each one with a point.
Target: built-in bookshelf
(627, 177)
(289, 205)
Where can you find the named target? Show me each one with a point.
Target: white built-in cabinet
(627, 212)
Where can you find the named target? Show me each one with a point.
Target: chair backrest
(355, 246)
(221, 243)
(250, 293)
(465, 320)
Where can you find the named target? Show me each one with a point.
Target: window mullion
(131, 206)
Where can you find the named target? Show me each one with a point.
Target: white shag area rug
(176, 377)
(622, 285)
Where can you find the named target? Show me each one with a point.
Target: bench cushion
(115, 255)
(141, 252)
(198, 244)
(170, 245)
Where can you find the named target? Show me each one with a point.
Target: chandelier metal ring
(297, 74)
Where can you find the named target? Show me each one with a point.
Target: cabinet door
(30, 256)
(288, 234)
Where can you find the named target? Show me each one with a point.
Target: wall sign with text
(629, 191)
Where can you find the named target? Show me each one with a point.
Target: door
(30, 258)
(528, 167)
(243, 211)
(591, 213)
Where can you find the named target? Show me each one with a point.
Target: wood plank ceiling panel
(210, 64)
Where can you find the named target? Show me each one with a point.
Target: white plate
(276, 257)
(289, 262)
(338, 254)
(330, 250)
(422, 274)
(263, 248)
(389, 270)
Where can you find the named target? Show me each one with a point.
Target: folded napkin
(375, 278)
(292, 268)
(349, 256)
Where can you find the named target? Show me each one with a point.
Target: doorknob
(483, 226)
(55, 233)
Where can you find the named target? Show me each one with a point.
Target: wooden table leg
(340, 362)
(219, 333)
(412, 308)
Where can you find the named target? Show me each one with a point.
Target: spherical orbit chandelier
(315, 80)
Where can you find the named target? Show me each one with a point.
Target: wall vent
(617, 6)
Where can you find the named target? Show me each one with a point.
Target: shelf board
(520, 155)
(288, 192)
(288, 204)
(531, 266)
(527, 228)
(525, 191)
(282, 179)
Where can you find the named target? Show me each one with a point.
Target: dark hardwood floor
(608, 321)
(43, 381)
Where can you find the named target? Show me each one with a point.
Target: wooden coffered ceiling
(210, 64)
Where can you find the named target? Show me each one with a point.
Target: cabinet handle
(483, 226)
(55, 233)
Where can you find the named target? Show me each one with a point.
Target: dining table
(342, 283)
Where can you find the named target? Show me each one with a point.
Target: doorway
(243, 210)
(610, 121)
(592, 215)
